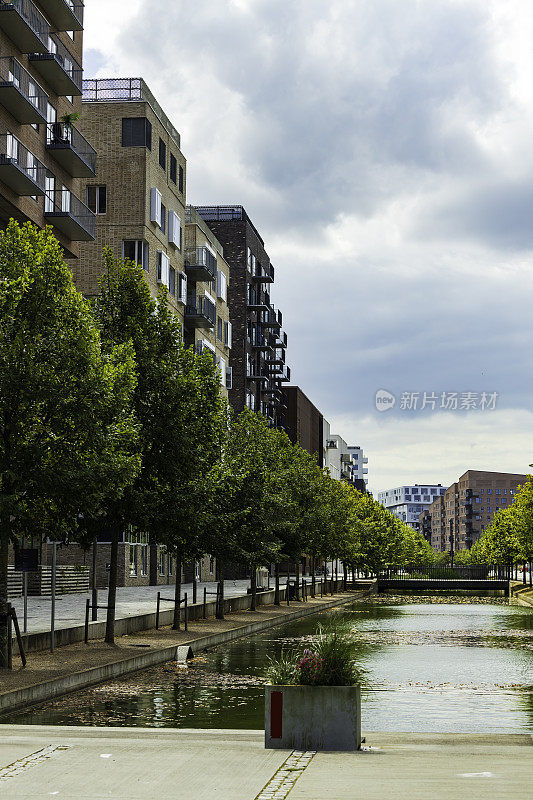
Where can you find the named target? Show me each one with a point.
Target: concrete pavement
(120, 763)
(132, 601)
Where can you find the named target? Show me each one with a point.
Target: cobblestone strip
(284, 779)
(23, 764)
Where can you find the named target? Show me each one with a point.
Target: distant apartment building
(259, 371)
(339, 460)
(469, 506)
(359, 462)
(43, 154)
(304, 423)
(408, 502)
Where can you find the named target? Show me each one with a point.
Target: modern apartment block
(259, 343)
(304, 423)
(43, 154)
(138, 191)
(469, 506)
(359, 461)
(408, 502)
(338, 460)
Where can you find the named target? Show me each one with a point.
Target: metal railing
(483, 572)
(220, 213)
(63, 202)
(12, 151)
(33, 17)
(202, 307)
(58, 134)
(201, 257)
(66, 60)
(11, 71)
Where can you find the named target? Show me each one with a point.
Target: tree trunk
(276, 588)
(112, 591)
(4, 627)
(177, 594)
(313, 576)
(345, 575)
(253, 588)
(297, 583)
(220, 607)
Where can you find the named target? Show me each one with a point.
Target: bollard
(157, 611)
(205, 602)
(87, 608)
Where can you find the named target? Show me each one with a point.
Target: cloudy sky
(384, 149)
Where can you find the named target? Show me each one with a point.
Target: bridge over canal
(476, 578)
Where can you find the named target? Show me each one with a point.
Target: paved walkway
(135, 764)
(132, 601)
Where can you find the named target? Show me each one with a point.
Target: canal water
(433, 666)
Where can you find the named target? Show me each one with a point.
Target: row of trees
(108, 424)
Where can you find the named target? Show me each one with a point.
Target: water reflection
(433, 667)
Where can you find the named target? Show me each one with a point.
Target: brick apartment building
(259, 343)
(43, 155)
(468, 507)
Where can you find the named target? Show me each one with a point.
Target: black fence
(472, 572)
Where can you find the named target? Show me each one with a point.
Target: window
(498, 491)
(227, 334)
(219, 329)
(136, 132)
(181, 180)
(174, 229)
(162, 155)
(144, 560)
(229, 377)
(163, 268)
(173, 169)
(161, 562)
(155, 206)
(489, 491)
(172, 281)
(182, 288)
(222, 286)
(163, 224)
(211, 564)
(97, 199)
(136, 250)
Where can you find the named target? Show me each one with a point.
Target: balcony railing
(20, 94)
(69, 215)
(201, 264)
(25, 26)
(71, 149)
(65, 15)
(200, 312)
(20, 169)
(59, 68)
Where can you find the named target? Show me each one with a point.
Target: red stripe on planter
(276, 715)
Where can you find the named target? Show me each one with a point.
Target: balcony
(69, 215)
(200, 313)
(261, 341)
(59, 68)
(65, 15)
(20, 169)
(254, 372)
(257, 301)
(280, 372)
(200, 264)
(278, 357)
(71, 150)
(20, 94)
(263, 274)
(25, 26)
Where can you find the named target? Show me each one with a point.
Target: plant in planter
(314, 700)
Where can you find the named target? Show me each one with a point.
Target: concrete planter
(313, 717)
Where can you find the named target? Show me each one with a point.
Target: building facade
(408, 502)
(138, 191)
(469, 506)
(359, 468)
(259, 371)
(304, 423)
(44, 157)
(339, 460)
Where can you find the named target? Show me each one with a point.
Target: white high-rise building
(359, 468)
(408, 502)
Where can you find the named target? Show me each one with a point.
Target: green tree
(65, 418)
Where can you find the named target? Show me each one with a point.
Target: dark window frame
(162, 154)
(173, 169)
(136, 132)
